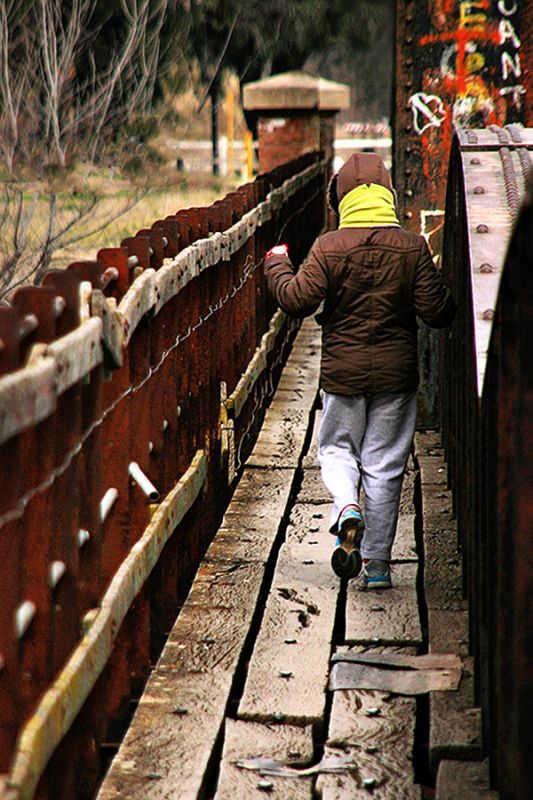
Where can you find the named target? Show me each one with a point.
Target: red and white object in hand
(278, 250)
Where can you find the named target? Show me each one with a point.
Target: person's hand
(278, 250)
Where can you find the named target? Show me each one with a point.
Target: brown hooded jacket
(374, 282)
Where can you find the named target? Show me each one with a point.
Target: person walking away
(373, 279)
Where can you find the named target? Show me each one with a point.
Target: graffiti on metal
(462, 66)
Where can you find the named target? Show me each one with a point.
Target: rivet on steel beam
(408, 40)
(408, 128)
(475, 161)
(408, 193)
(150, 447)
(408, 171)
(408, 214)
(59, 305)
(55, 572)
(107, 502)
(178, 411)
(164, 426)
(408, 149)
(143, 482)
(486, 268)
(482, 228)
(133, 261)
(23, 617)
(488, 314)
(479, 190)
(83, 537)
(409, 62)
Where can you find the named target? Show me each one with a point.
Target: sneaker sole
(379, 585)
(346, 565)
(374, 585)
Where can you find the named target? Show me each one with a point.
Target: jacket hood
(361, 168)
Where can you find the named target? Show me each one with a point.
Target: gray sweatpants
(365, 440)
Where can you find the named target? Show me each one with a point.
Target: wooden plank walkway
(239, 703)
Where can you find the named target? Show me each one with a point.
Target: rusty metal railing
(131, 389)
(486, 398)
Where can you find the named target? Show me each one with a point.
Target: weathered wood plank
(288, 670)
(404, 548)
(288, 744)
(169, 747)
(309, 524)
(455, 728)
(378, 731)
(312, 489)
(468, 780)
(386, 617)
(264, 484)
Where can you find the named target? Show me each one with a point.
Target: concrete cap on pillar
(296, 90)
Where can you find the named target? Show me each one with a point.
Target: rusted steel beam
(462, 64)
(511, 431)
(161, 326)
(481, 419)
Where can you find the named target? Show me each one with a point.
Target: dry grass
(148, 205)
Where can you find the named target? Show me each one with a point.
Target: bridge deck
(247, 672)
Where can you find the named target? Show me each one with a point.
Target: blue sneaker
(346, 559)
(375, 575)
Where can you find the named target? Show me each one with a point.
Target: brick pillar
(296, 115)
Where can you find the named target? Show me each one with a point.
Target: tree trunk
(213, 95)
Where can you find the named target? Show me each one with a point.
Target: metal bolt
(107, 502)
(482, 228)
(408, 214)
(408, 192)
(265, 786)
(479, 190)
(55, 572)
(486, 268)
(285, 673)
(150, 447)
(23, 617)
(408, 40)
(83, 537)
(475, 161)
(164, 426)
(488, 314)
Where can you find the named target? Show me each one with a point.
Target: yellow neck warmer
(368, 206)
